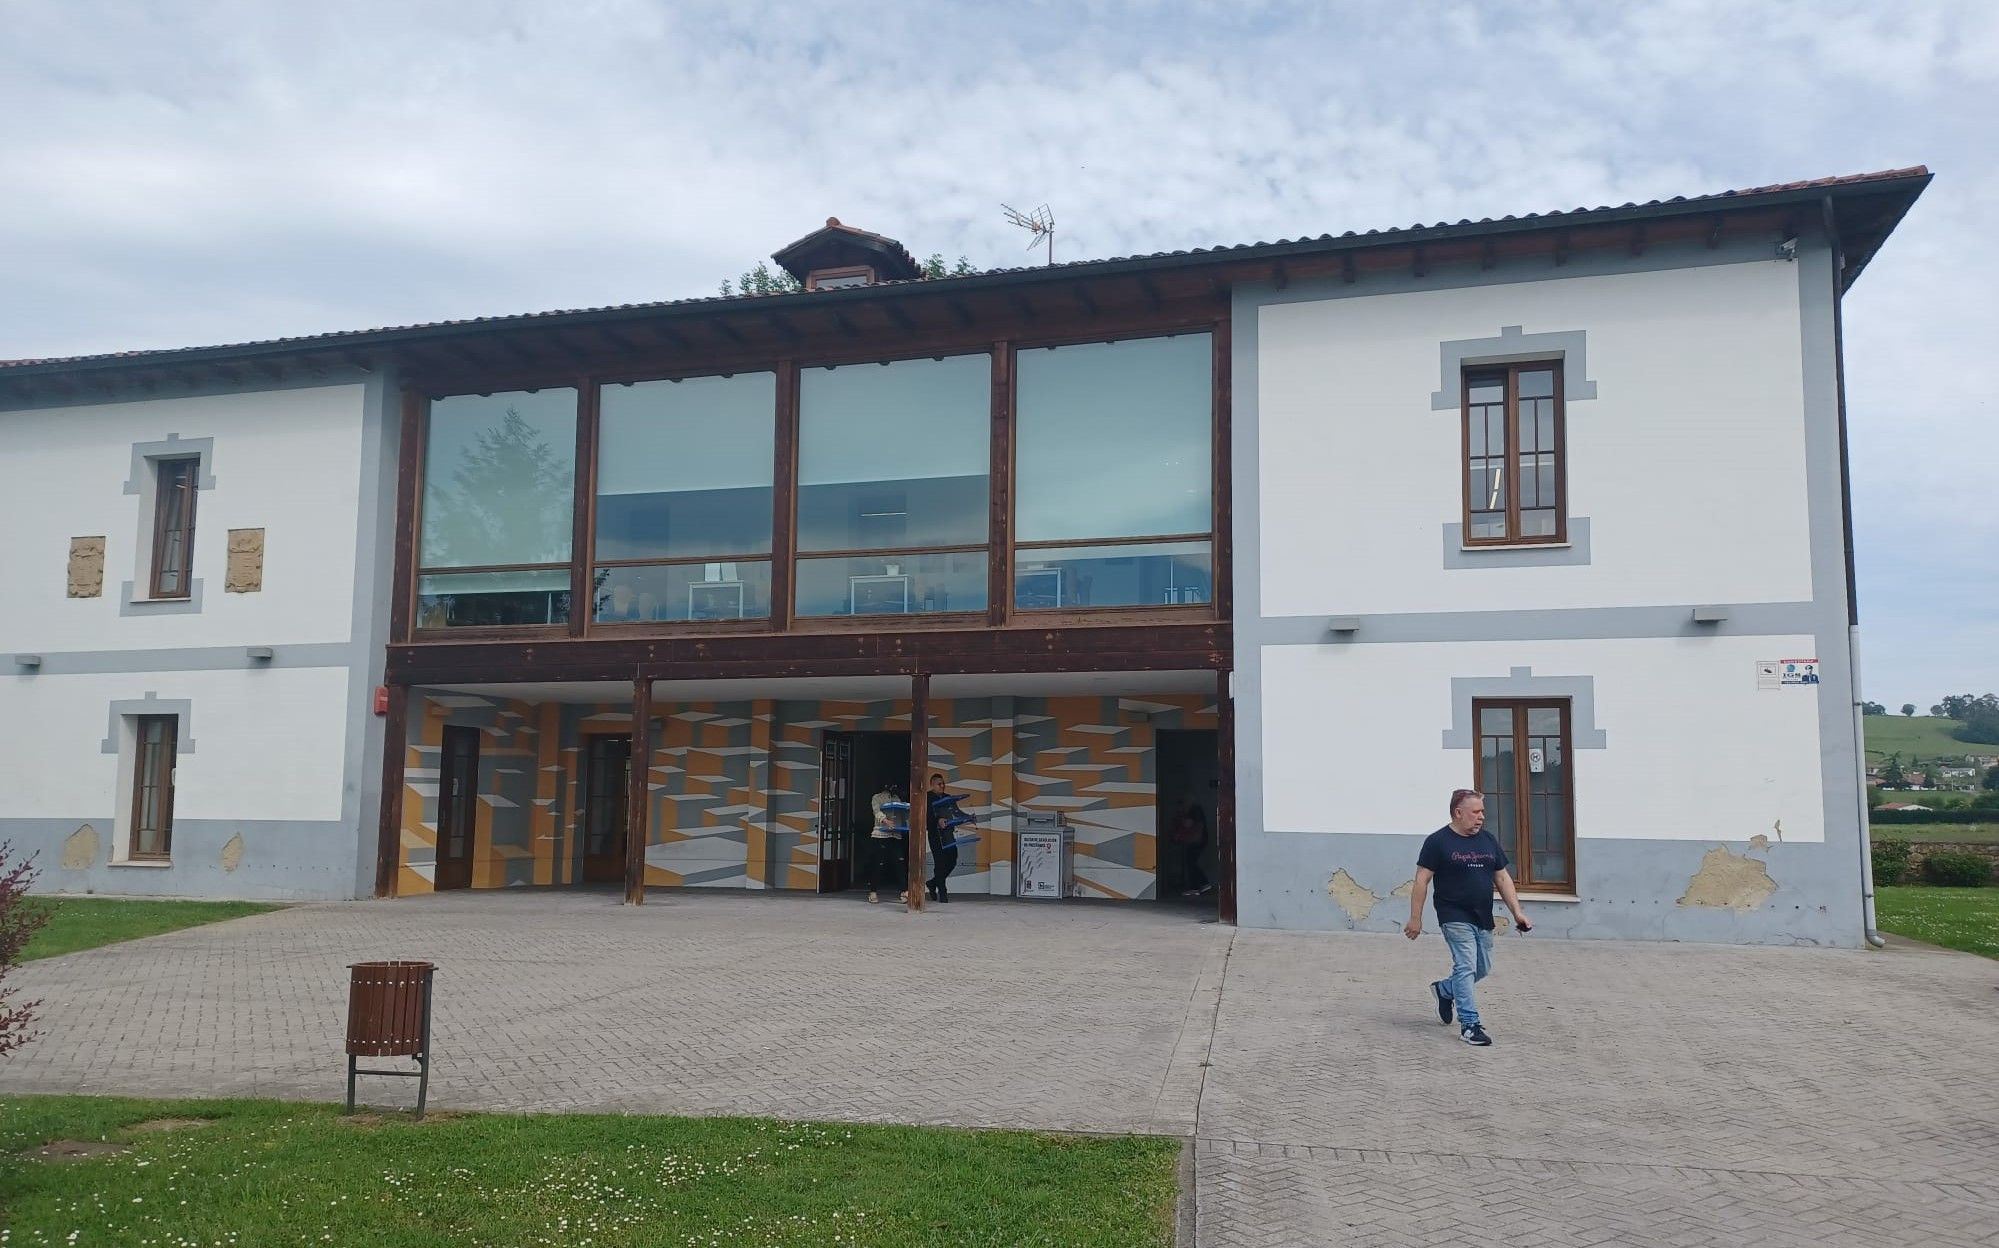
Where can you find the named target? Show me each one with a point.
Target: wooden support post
(999, 524)
(638, 800)
(1225, 856)
(919, 775)
(395, 749)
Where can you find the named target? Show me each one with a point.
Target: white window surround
(123, 740)
(143, 482)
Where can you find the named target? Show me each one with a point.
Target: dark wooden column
(409, 492)
(395, 748)
(999, 576)
(919, 770)
(784, 496)
(1225, 856)
(1224, 554)
(583, 506)
(638, 796)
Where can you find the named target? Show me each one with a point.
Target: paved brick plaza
(1636, 1094)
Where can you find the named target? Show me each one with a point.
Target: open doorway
(853, 767)
(1188, 781)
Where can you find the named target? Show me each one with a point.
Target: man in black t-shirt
(1466, 863)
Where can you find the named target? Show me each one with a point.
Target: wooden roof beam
(1638, 238)
(1082, 296)
(1150, 289)
(894, 312)
(963, 313)
(1714, 231)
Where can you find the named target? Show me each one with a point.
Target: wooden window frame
(815, 280)
(185, 472)
(416, 454)
(1522, 852)
(1001, 611)
(1511, 374)
(162, 767)
(1218, 487)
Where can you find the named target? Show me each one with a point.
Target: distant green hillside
(1917, 736)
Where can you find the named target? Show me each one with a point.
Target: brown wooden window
(153, 785)
(1525, 772)
(175, 486)
(1515, 487)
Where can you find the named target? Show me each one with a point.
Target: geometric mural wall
(734, 787)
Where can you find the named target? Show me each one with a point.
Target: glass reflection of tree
(509, 500)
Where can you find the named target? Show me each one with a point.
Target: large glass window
(684, 499)
(498, 496)
(894, 463)
(1114, 452)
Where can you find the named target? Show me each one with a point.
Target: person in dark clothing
(1190, 837)
(1466, 863)
(941, 827)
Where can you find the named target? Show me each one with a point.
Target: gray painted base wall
(1630, 890)
(279, 860)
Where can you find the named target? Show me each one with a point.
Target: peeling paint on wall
(1729, 881)
(86, 567)
(79, 852)
(232, 853)
(1351, 896)
(1403, 889)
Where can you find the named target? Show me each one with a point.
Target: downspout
(1865, 839)
(1874, 937)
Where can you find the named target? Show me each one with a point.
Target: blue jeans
(1471, 961)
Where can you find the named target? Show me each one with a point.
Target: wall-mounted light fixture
(259, 654)
(1343, 624)
(32, 662)
(1710, 615)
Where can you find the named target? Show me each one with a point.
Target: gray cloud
(212, 172)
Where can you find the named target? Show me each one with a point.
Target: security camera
(1788, 249)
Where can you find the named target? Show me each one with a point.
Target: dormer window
(838, 256)
(840, 279)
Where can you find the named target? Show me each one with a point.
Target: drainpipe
(1874, 937)
(1830, 219)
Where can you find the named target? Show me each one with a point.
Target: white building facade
(192, 637)
(1552, 508)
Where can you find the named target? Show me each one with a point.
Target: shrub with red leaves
(20, 919)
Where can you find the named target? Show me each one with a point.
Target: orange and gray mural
(734, 787)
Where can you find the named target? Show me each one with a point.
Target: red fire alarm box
(381, 699)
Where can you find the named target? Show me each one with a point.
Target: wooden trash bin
(388, 1015)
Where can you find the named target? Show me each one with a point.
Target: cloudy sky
(201, 172)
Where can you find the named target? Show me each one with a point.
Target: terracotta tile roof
(359, 338)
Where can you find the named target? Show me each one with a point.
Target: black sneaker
(1445, 1006)
(1476, 1037)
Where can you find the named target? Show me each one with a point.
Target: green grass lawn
(262, 1172)
(1916, 736)
(87, 922)
(1956, 918)
(1963, 833)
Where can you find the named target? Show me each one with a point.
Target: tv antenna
(1039, 224)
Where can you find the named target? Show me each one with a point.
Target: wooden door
(457, 807)
(607, 772)
(837, 812)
